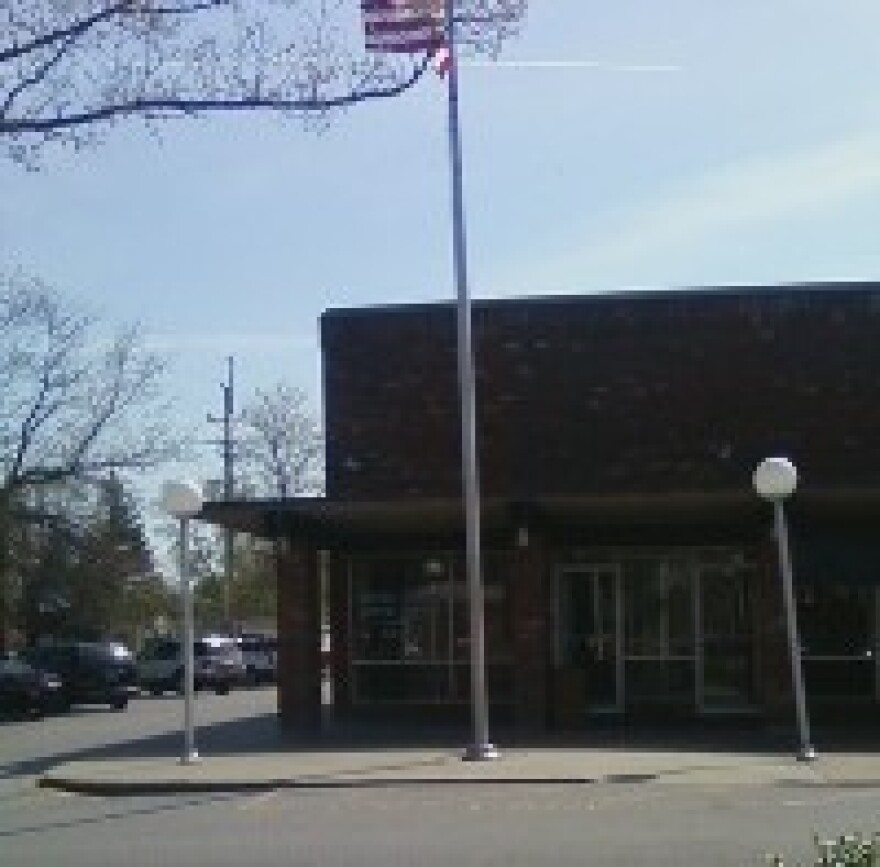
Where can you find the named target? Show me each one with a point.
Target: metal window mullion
(619, 638)
(450, 606)
(699, 649)
(877, 643)
(557, 616)
(351, 648)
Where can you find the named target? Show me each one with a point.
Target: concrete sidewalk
(418, 766)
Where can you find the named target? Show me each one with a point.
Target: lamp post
(775, 480)
(183, 500)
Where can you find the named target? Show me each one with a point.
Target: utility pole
(228, 482)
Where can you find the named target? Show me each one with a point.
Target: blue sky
(616, 145)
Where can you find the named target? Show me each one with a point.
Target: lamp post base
(481, 753)
(190, 758)
(807, 754)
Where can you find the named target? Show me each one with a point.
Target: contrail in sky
(576, 64)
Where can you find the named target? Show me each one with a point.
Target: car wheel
(222, 689)
(156, 690)
(119, 703)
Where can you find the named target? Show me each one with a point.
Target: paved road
(608, 824)
(492, 825)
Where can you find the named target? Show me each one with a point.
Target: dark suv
(90, 673)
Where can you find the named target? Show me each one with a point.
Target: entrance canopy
(335, 524)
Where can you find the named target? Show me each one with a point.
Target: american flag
(403, 26)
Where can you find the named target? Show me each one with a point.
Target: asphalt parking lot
(150, 726)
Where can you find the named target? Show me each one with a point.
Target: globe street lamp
(183, 500)
(775, 480)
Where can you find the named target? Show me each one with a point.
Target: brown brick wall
(773, 678)
(631, 392)
(532, 633)
(299, 667)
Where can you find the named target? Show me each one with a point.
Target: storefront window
(726, 638)
(411, 635)
(684, 634)
(659, 631)
(659, 609)
(377, 604)
(838, 635)
(836, 619)
(496, 612)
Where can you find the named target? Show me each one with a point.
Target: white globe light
(775, 478)
(182, 499)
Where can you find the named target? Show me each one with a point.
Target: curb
(81, 786)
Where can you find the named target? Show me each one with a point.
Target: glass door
(660, 633)
(589, 650)
(725, 676)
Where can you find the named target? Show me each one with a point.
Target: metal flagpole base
(481, 753)
(807, 754)
(191, 758)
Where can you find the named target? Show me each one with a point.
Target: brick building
(629, 568)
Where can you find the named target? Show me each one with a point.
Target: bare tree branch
(70, 409)
(69, 70)
(44, 40)
(192, 107)
(37, 77)
(282, 448)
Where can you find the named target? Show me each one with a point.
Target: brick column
(299, 667)
(531, 639)
(773, 687)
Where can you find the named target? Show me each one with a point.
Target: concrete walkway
(427, 766)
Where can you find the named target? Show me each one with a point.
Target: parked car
(25, 689)
(90, 672)
(259, 654)
(160, 666)
(218, 665)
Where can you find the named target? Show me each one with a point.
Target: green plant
(849, 850)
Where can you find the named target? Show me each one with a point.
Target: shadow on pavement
(262, 733)
(258, 733)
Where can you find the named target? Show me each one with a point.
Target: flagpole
(481, 749)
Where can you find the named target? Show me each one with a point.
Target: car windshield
(205, 648)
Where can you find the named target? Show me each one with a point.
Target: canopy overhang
(343, 524)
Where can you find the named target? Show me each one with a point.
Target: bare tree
(73, 404)
(68, 68)
(282, 445)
